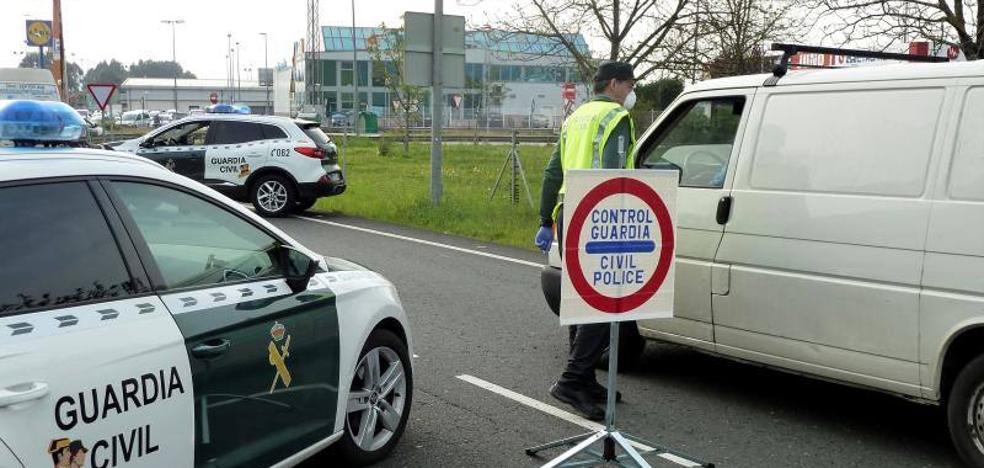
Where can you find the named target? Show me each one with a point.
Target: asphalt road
(485, 317)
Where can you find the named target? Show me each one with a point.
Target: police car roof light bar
(29, 123)
(789, 50)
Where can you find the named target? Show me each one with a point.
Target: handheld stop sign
(618, 246)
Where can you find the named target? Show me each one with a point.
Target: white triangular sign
(101, 93)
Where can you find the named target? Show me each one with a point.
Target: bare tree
(649, 34)
(733, 33)
(386, 50)
(886, 23)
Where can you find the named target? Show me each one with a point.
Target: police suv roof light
(220, 109)
(37, 122)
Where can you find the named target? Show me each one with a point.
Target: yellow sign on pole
(39, 33)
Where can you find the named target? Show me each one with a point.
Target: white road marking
(422, 241)
(566, 416)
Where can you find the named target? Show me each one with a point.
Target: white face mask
(630, 100)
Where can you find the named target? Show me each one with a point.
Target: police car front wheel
(379, 400)
(273, 195)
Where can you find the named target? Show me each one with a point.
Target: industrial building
(159, 94)
(512, 80)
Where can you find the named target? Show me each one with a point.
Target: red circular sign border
(601, 302)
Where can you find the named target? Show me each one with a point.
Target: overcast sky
(130, 30)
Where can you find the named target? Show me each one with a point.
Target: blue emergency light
(39, 121)
(227, 109)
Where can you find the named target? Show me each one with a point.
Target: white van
(36, 84)
(831, 223)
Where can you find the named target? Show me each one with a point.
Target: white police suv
(280, 165)
(145, 320)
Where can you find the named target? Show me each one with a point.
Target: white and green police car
(280, 165)
(146, 320)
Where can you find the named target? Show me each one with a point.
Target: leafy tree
(158, 69)
(387, 52)
(107, 72)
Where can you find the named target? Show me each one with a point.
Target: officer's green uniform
(599, 134)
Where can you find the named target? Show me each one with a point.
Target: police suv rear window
(314, 132)
(59, 252)
(271, 132)
(230, 132)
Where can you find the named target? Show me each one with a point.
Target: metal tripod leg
(575, 450)
(558, 443)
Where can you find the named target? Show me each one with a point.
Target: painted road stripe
(566, 416)
(424, 242)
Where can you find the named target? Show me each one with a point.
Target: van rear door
(700, 137)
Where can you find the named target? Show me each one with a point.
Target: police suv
(145, 320)
(280, 165)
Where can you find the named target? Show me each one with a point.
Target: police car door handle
(211, 348)
(22, 392)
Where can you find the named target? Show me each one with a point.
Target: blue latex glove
(543, 239)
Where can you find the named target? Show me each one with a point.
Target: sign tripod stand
(581, 452)
(512, 160)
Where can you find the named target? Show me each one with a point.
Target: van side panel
(828, 229)
(953, 277)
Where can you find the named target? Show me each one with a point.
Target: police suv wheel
(379, 400)
(273, 195)
(965, 413)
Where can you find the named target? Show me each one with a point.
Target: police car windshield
(314, 132)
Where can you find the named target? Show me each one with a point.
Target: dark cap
(610, 69)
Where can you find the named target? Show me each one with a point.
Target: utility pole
(267, 67)
(174, 57)
(437, 106)
(58, 64)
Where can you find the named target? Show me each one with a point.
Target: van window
(860, 142)
(967, 170)
(698, 138)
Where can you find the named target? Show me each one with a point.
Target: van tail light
(316, 153)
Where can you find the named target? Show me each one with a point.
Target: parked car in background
(339, 119)
(136, 118)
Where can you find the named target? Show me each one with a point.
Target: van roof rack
(789, 50)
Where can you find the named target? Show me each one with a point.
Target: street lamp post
(267, 67)
(174, 57)
(239, 78)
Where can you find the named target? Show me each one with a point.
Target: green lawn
(396, 189)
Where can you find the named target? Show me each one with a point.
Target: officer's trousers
(587, 342)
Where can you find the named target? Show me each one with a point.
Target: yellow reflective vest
(585, 133)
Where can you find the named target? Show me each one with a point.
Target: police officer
(599, 134)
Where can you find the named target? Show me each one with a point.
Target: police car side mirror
(146, 144)
(298, 268)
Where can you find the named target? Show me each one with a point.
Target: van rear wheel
(965, 412)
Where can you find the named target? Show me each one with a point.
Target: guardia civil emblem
(278, 355)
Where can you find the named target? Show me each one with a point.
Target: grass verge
(396, 189)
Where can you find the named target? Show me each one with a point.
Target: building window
(379, 103)
(473, 75)
(330, 72)
(379, 72)
(346, 100)
(363, 101)
(363, 73)
(346, 74)
(331, 102)
(537, 74)
(505, 72)
(574, 75)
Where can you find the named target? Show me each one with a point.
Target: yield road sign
(101, 93)
(618, 246)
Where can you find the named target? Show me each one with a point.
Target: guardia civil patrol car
(148, 321)
(280, 165)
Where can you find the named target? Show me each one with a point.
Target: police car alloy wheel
(273, 195)
(379, 400)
